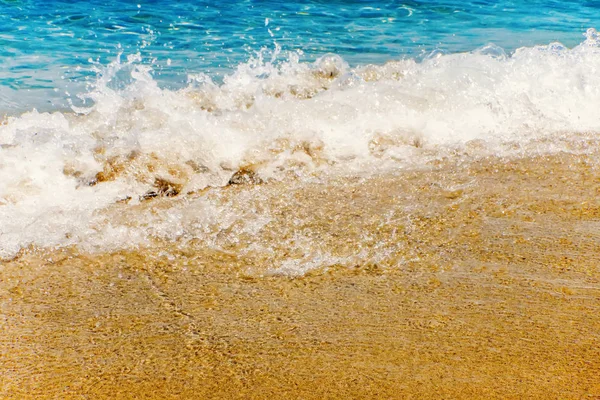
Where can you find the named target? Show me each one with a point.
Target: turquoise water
(49, 50)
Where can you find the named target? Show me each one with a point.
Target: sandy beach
(476, 279)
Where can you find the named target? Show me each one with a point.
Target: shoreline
(489, 287)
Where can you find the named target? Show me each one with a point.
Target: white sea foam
(280, 120)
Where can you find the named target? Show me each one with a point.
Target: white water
(282, 120)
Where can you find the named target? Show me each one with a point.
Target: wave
(274, 120)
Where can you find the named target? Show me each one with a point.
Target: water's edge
(455, 273)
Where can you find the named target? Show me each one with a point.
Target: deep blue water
(48, 49)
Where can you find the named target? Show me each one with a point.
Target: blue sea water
(50, 50)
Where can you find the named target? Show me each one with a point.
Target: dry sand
(487, 285)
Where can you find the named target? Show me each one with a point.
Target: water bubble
(330, 66)
(592, 37)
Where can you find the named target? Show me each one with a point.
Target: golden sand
(473, 280)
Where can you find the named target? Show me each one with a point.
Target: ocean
(110, 101)
(53, 53)
(315, 199)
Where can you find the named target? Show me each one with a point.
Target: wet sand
(469, 280)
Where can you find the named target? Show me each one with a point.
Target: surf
(279, 118)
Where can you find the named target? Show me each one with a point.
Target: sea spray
(278, 119)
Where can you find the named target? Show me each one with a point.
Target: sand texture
(476, 279)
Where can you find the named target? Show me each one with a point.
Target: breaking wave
(276, 118)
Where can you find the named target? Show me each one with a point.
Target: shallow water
(415, 284)
(299, 199)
